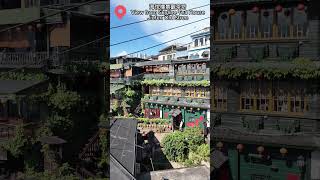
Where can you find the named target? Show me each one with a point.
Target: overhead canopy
(16, 86)
(54, 140)
(175, 112)
(218, 159)
(115, 88)
(52, 19)
(116, 66)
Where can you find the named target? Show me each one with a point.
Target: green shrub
(175, 147)
(178, 144)
(194, 137)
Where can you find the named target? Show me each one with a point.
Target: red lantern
(260, 149)
(255, 9)
(232, 12)
(39, 26)
(240, 147)
(279, 8)
(30, 27)
(212, 12)
(106, 17)
(301, 7)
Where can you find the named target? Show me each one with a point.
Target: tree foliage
(16, 144)
(178, 144)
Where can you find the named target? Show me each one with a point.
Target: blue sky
(149, 27)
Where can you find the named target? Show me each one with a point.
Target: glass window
(300, 23)
(266, 23)
(201, 42)
(236, 23)
(223, 26)
(284, 18)
(196, 43)
(220, 99)
(252, 24)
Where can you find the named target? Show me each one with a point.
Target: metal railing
(32, 59)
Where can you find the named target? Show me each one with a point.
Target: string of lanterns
(256, 9)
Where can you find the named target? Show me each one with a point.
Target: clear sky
(149, 27)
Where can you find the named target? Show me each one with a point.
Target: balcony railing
(32, 60)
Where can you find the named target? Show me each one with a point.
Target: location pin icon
(120, 11)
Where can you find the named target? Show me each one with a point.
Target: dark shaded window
(266, 23)
(252, 24)
(223, 26)
(300, 23)
(235, 25)
(10, 4)
(284, 21)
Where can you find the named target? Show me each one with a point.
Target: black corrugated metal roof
(15, 86)
(122, 147)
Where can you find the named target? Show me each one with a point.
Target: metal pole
(238, 165)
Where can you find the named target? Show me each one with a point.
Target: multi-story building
(124, 74)
(177, 88)
(265, 96)
(39, 48)
(200, 46)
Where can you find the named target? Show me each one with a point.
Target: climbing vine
(16, 144)
(299, 68)
(22, 76)
(155, 82)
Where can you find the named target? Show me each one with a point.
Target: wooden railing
(36, 59)
(84, 174)
(91, 148)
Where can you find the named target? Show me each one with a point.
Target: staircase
(90, 149)
(137, 111)
(88, 153)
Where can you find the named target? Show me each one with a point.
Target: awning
(16, 86)
(176, 112)
(52, 19)
(116, 66)
(115, 88)
(218, 159)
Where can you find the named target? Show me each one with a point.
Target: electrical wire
(136, 22)
(46, 16)
(158, 32)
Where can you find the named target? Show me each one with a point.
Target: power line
(158, 32)
(63, 52)
(99, 39)
(136, 22)
(165, 42)
(43, 17)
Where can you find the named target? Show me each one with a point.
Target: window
(280, 102)
(263, 102)
(300, 23)
(169, 57)
(220, 99)
(235, 25)
(223, 26)
(297, 104)
(207, 40)
(163, 58)
(201, 42)
(196, 43)
(252, 24)
(247, 97)
(266, 23)
(284, 21)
